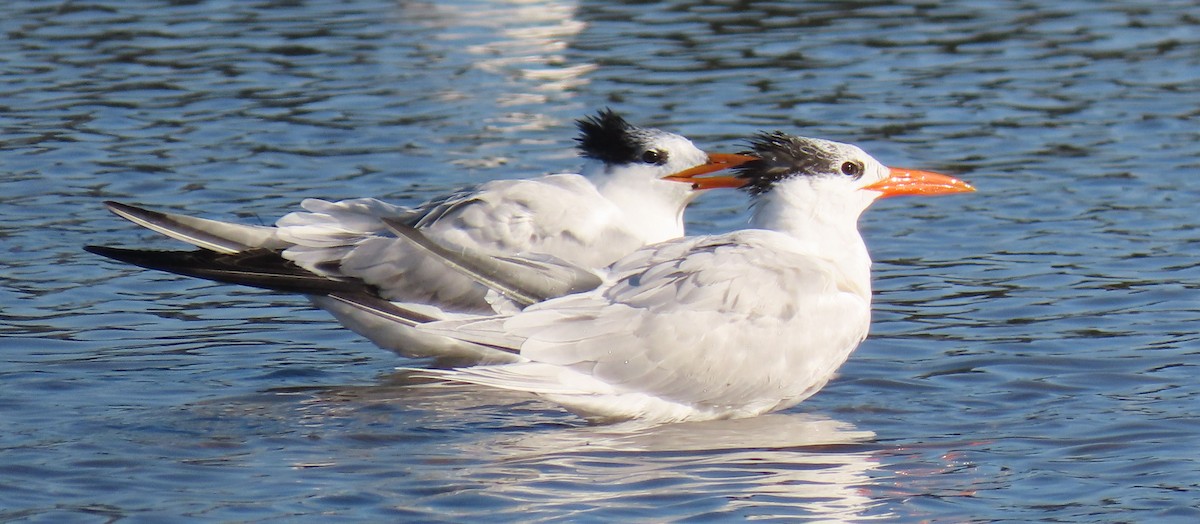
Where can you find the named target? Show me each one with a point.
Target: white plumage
(620, 202)
(708, 327)
(720, 326)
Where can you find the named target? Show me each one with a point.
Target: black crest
(609, 138)
(781, 156)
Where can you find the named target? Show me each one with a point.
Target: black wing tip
(163, 260)
(115, 253)
(113, 205)
(260, 268)
(129, 212)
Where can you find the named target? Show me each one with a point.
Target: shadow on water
(788, 465)
(1033, 351)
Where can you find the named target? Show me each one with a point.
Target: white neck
(825, 227)
(652, 208)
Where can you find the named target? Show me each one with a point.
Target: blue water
(1034, 349)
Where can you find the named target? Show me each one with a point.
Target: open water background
(1034, 350)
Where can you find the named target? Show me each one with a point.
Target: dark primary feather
(261, 268)
(610, 139)
(782, 156)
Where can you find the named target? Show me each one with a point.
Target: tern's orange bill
(901, 181)
(716, 162)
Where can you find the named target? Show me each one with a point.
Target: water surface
(1033, 354)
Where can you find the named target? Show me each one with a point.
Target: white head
(642, 157)
(829, 180)
(814, 190)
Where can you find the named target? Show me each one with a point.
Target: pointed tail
(213, 235)
(261, 268)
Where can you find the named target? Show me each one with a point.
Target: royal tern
(621, 201)
(720, 326)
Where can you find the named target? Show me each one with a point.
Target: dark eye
(853, 169)
(655, 156)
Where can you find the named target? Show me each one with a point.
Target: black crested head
(782, 156)
(609, 138)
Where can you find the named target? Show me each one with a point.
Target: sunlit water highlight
(1033, 354)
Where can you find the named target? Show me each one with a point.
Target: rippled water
(1034, 349)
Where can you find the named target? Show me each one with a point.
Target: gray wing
(213, 235)
(526, 281)
(562, 216)
(540, 220)
(733, 320)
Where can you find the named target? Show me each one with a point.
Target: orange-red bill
(902, 181)
(716, 162)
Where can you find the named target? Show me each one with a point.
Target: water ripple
(1033, 352)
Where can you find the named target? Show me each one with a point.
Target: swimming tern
(622, 200)
(717, 326)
